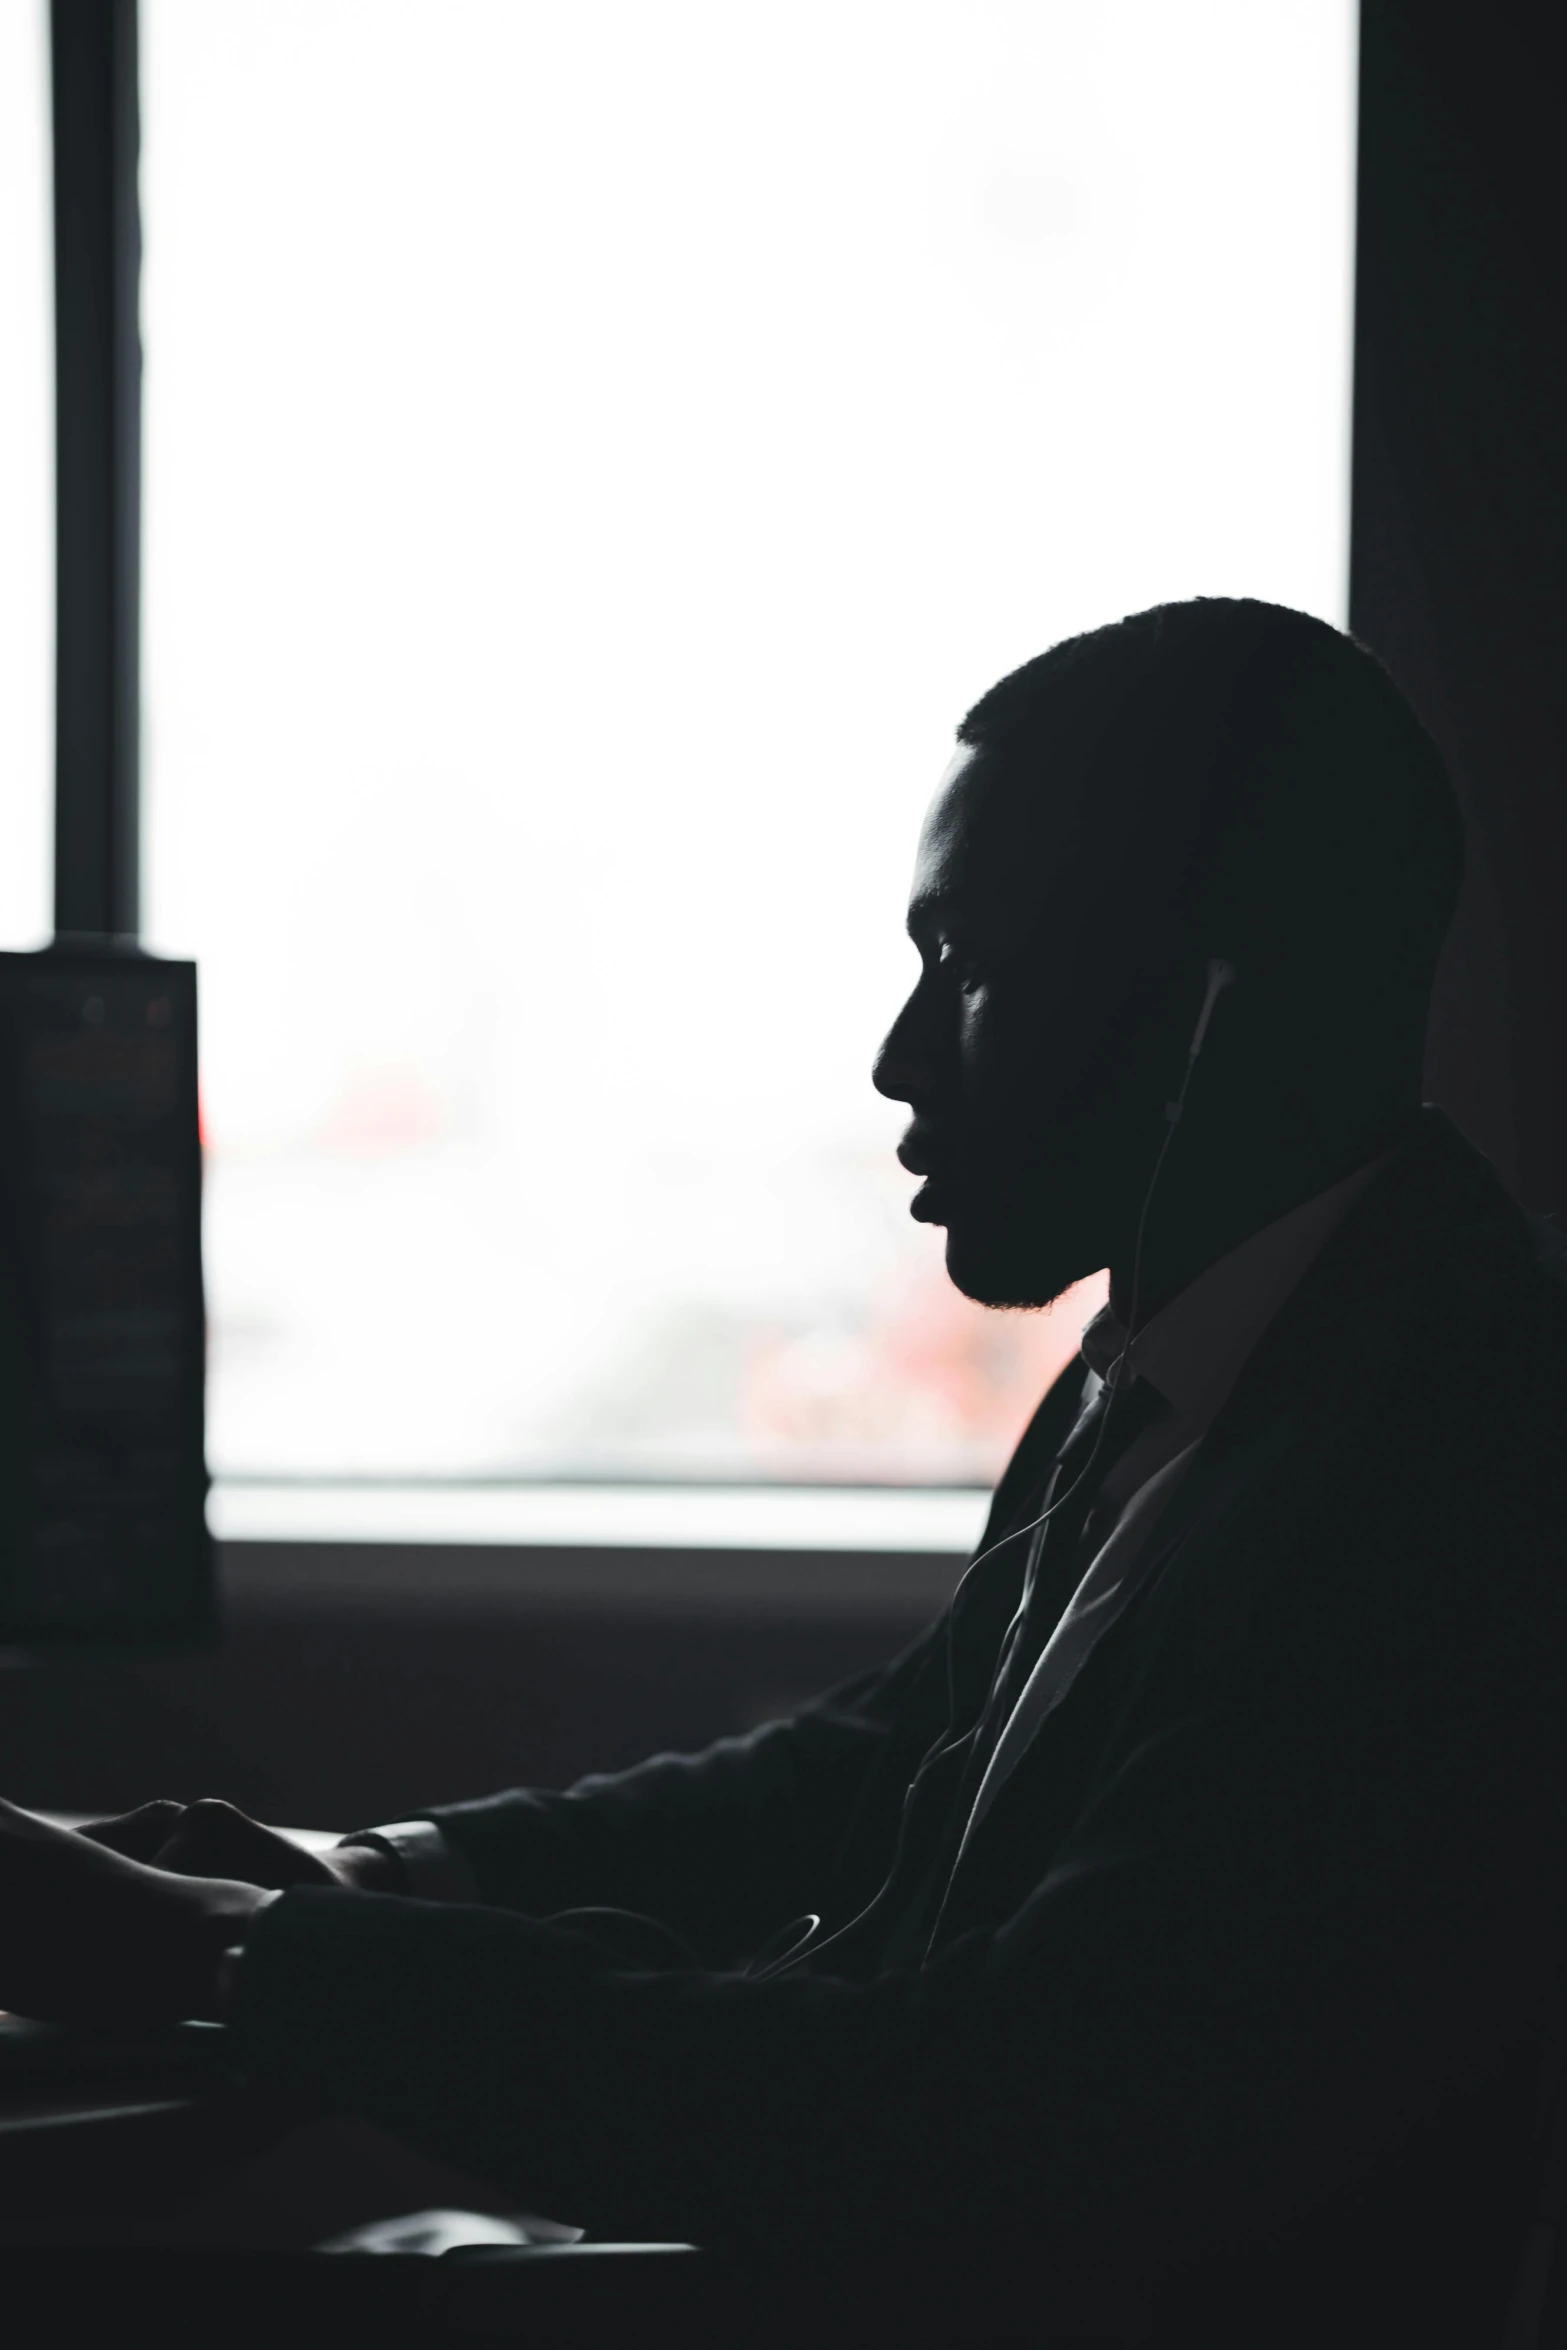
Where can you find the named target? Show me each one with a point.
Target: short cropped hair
(1250, 764)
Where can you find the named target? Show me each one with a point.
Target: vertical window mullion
(97, 262)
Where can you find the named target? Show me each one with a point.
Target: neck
(1199, 1212)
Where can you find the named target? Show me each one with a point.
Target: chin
(1008, 1269)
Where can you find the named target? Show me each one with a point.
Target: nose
(905, 1068)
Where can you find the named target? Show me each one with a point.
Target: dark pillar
(1459, 566)
(97, 262)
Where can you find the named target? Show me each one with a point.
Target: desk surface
(77, 2152)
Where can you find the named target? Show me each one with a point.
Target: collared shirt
(1191, 1353)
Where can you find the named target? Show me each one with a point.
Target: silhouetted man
(1179, 1913)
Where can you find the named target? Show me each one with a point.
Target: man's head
(1218, 778)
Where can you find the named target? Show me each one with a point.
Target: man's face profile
(1014, 1050)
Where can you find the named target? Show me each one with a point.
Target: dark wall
(353, 1685)
(1459, 572)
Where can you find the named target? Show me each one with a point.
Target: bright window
(26, 481)
(595, 455)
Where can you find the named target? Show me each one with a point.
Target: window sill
(902, 1520)
(709, 1551)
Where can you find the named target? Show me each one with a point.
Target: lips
(918, 1155)
(929, 1204)
(918, 1151)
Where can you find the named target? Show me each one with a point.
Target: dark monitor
(103, 1535)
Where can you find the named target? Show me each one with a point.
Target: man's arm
(721, 1845)
(211, 1838)
(724, 1844)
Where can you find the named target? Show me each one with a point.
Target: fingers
(206, 1839)
(95, 1936)
(209, 1837)
(139, 1834)
(213, 1839)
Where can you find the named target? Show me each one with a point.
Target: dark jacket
(1241, 1987)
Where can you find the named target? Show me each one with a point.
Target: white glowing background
(26, 481)
(595, 455)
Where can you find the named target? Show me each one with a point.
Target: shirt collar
(1191, 1352)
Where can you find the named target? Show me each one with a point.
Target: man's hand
(212, 1839)
(90, 1936)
